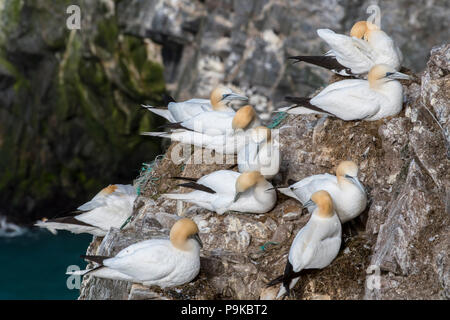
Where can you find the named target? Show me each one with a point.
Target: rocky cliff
(70, 115)
(397, 249)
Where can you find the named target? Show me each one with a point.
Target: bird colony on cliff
(368, 57)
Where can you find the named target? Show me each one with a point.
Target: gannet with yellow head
(260, 153)
(220, 100)
(111, 207)
(356, 99)
(226, 190)
(160, 262)
(348, 194)
(356, 54)
(315, 246)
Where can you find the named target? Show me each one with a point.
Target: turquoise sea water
(33, 265)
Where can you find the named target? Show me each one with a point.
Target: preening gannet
(356, 54)
(111, 207)
(181, 111)
(348, 194)
(356, 99)
(260, 153)
(226, 190)
(160, 262)
(315, 246)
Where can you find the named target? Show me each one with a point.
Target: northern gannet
(260, 153)
(111, 207)
(356, 54)
(220, 99)
(220, 122)
(226, 190)
(315, 246)
(226, 137)
(161, 262)
(356, 99)
(348, 194)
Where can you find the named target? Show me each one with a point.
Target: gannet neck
(261, 134)
(216, 96)
(220, 106)
(347, 168)
(359, 29)
(324, 204)
(180, 233)
(370, 30)
(243, 117)
(109, 189)
(378, 75)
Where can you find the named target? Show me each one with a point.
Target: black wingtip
(167, 99)
(197, 186)
(184, 178)
(275, 281)
(96, 259)
(175, 125)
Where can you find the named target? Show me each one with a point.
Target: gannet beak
(399, 76)
(234, 96)
(196, 237)
(238, 195)
(356, 182)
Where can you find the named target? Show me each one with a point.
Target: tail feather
(157, 134)
(288, 192)
(83, 272)
(303, 102)
(163, 112)
(174, 125)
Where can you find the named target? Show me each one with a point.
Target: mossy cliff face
(70, 100)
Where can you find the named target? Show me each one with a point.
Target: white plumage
(260, 153)
(219, 100)
(165, 263)
(111, 207)
(354, 99)
(348, 194)
(360, 55)
(246, 192)
(316, 245)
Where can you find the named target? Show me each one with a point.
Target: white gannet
(260, 153)
(348, 194)
(353, 56)
(111, 207)
(356, 99)
(220, 122)
(161, 262)
(226, 190)
(181, 111)
(315, 246)
(232, 137)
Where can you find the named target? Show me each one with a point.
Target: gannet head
(108, 190)
(382, 73)
(261, 134)
(243, 117)
(247, 180)
(184, 235)
(324, 203)
(359, 29)
(348, 170)
(221, 96)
